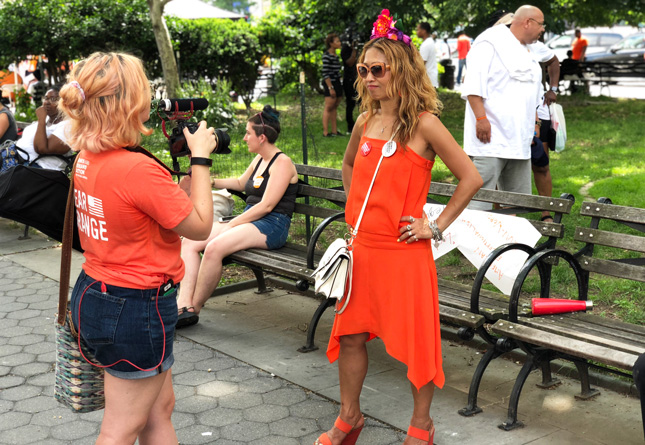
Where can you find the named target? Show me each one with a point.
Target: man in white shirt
(428, 52)
(502, 89)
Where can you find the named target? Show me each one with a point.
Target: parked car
(630, 48)
(600, 40)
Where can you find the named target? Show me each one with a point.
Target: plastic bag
(559, 125)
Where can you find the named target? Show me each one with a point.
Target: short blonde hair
(409, 83)
(104, 98)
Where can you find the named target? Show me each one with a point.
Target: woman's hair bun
(269, 111)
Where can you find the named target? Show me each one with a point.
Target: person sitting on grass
(271, 183)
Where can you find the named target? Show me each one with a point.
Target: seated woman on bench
(271, 183)
(47, 136)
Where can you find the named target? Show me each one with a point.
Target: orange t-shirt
(463, 46)
(126, 205)
(577, 46)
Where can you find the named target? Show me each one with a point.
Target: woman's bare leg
(244, 236)
(128, 405)
(190, 254)
(352, 369)
(421, 412)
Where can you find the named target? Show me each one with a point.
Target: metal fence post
(305, 157)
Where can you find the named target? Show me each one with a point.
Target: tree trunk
(162, 37)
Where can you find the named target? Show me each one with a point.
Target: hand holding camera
(201, 140)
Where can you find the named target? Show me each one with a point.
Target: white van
(600, 39)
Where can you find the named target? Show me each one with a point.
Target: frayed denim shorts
(275, 226)
(119, 324)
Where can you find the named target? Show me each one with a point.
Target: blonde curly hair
(409, 84)
(105, 97)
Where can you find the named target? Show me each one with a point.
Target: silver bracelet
(437, 236)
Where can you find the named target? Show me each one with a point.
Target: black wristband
(201, 161)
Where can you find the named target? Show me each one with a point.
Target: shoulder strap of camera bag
(143, 151)
(66, 251)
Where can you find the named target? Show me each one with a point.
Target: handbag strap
(369, 190)
(66, 251)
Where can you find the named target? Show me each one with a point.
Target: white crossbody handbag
(333, 277)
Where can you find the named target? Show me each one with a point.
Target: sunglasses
(262, 120)
(377, 69)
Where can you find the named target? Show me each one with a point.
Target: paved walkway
(239, 379)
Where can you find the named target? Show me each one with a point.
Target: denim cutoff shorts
(275, 226)
(123, 323)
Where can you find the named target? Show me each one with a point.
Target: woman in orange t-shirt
(130, 216)
(394, 281)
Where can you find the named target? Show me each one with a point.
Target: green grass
(604, 156)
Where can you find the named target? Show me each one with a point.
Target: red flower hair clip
(384, 27)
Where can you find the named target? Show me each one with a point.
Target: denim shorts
(120, 323)
(275, 226)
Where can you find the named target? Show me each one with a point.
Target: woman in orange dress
(394, 288)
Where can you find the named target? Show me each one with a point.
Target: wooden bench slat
(613, 211)
(569, 346)
(634, 243)
(552, 325)
(596, 325)
(252, 259)
(613, 268)
(460, 318)
(318, 212)
(319, 192)
(319, 172)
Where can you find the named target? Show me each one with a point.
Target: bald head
(527, 24)
(528, 12)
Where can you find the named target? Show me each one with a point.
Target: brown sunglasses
(377, 69)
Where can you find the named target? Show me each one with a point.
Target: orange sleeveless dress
(394, 289)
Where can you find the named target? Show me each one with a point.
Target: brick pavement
(219, 399)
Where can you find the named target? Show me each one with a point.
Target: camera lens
(223, 142)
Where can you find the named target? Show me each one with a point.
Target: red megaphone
(548, 306)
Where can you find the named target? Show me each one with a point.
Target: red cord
(104, 290)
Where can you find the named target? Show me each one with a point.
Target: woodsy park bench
(580, 337)
(321, 196)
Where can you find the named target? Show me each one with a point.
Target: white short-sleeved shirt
(541, 52)
(26, 142)
(510, 103)
(428, 53)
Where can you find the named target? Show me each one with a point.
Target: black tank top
(12, 132)
(255, 188)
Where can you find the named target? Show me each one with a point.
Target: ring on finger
(409, 233)
(409, 227)
(415, 238)
(411, 218)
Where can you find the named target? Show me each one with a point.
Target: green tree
(65, 31)
(215, 48)
(295, 30)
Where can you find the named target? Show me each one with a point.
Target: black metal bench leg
(511, 421)
(259, 277)
(586, 391)
(25, 235)
(547, 379)
(311, 331)
(471, 409)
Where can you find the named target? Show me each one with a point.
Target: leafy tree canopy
(65, 31)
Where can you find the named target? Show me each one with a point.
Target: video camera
(179, 111)
(350, 36)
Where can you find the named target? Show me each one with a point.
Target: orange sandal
(350, 439)
(418, 433)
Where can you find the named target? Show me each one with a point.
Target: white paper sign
(477, 233)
